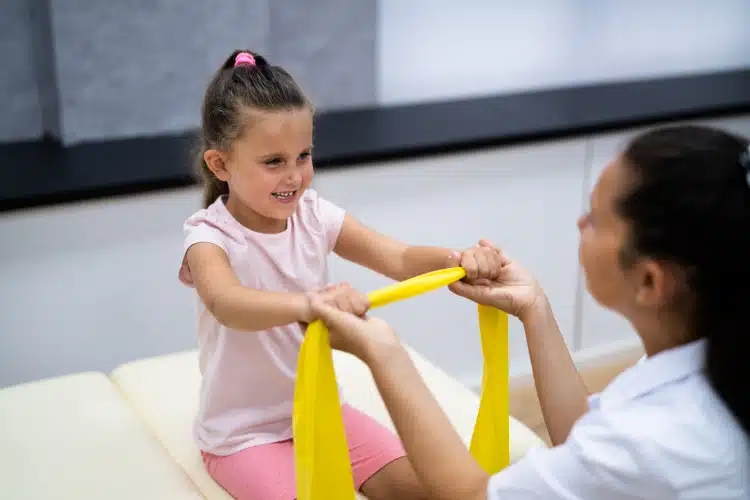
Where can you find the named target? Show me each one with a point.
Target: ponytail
(690, 205)
(727, 362)
(728, 353)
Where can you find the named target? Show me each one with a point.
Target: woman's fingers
(469, 291)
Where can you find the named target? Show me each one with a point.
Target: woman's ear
(216, 161)
(657, 284)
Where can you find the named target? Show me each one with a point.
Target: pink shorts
(266, 472)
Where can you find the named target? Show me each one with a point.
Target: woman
(665, 245)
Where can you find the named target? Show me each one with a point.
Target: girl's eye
(305, 155)
(274, 162)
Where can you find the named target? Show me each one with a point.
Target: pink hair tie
(244, 58)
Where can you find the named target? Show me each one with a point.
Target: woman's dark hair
(232, 92)
(690, 205)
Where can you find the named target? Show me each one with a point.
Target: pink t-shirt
(247, 388)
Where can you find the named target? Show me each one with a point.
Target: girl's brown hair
(233, 90)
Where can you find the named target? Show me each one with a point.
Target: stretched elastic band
(244, 58)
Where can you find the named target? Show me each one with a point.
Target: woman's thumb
(465, 290)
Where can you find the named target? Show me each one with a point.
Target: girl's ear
(216, 163)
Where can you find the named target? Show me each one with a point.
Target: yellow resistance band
(321, 455)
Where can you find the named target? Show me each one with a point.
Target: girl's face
(268, 168)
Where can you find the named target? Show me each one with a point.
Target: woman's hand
(495, 280)
(341, 310)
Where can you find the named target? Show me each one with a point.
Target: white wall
(91, 285)
(441, 49)
(525, 199)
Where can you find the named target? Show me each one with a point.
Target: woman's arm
(236, 306)
(396, 260)
(561, 390)
(436, 452)
(502, 283)
(439, 457)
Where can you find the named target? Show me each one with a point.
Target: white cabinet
(526, 199)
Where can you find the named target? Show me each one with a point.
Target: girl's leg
(263, 472)
(379, 464)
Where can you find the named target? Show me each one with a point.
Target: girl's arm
(234, 305)
(396, 260)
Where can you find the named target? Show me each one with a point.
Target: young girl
(259, 245)
(666, 245)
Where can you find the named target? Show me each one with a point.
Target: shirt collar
(655, 371)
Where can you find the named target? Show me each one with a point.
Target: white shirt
(658, 431)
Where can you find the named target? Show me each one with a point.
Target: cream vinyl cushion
(75, 437)
(164, 390)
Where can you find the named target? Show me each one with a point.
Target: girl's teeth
(287, 194)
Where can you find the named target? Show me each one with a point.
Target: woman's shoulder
(664, 433)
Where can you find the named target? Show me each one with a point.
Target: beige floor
(524, 404)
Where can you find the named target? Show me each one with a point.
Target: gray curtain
(87, 70)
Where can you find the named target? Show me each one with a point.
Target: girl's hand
(341, 296)
(495, 280)
(351, 331)
(344, 298)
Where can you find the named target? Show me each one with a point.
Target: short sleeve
(598, 461)
(330, 217)
(199, 228)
